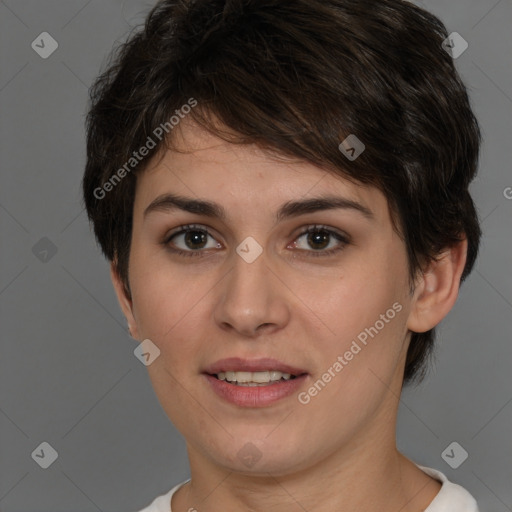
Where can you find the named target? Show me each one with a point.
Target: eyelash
(343, 239)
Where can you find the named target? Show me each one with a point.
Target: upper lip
(233, 364)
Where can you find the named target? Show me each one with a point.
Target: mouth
(252, 379)
(253, 373)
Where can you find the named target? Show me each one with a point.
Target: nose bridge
(249, 264)
(249, 282)
(249, 296)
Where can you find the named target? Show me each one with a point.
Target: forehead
(243, 177)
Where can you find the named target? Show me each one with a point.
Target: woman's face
(333, 304)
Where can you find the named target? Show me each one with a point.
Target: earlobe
(125, 302)
(438, 288)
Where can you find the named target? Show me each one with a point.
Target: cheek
(350, 300)
(163, 296)
(369, 328)
(163, 308)
(357, 365)
(364, 316)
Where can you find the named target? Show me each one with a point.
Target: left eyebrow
(169, 202)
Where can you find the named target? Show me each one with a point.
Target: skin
(338, 452)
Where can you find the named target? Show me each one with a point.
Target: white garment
(451, 497)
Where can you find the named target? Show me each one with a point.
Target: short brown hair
(297, 77)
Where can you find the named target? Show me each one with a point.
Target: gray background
(68, 375)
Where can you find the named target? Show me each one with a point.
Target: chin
(255, 456)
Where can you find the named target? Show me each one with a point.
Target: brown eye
(319, 238)
(195, 239)
(189, 240)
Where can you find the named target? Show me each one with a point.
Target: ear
(438, 288)
(125, 300)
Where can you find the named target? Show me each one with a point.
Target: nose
(252, 300)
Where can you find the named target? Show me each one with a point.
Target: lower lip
(255, 396)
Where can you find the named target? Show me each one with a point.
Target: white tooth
(255, 377)
(260, 377)
(243, 376)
